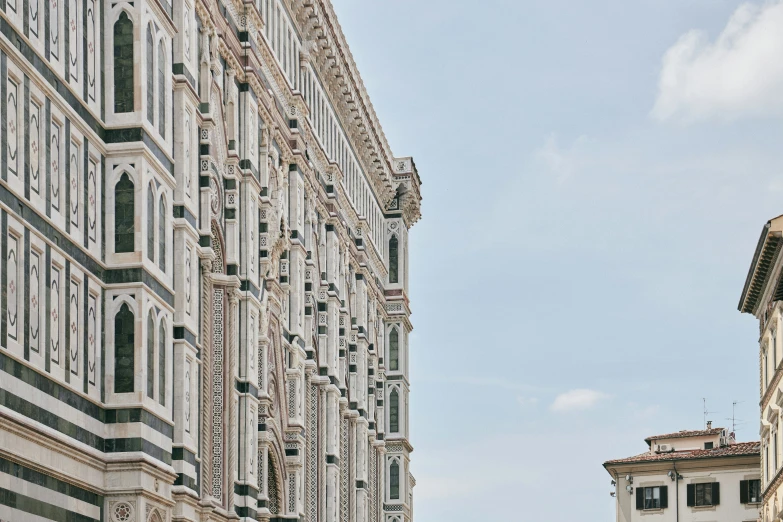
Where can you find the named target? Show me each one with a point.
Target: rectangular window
(655, 497)
(703, 494)
(652, 498)
(765, 371)
(750, 491)
(706, 494)
(708, 445)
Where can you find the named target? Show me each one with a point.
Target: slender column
(232, 366)
(206, 379)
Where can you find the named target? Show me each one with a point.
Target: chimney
(709, 425)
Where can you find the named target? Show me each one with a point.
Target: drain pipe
(677, 492)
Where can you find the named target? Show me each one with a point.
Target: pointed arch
(162, 88)
(150, 74)
(123, 64)
(162, 352)
(150, 355)
(394, 349)
(394, 259)
(151, 222)
(394, 411)
(124, 350)
(124, 215)
(162, 233)
(155, 516)
(218, 266)
(394, 480)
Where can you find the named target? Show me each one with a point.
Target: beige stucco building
(688, 476)
(761, 297)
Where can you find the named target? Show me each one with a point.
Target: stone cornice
(330, 55)
(326, 50)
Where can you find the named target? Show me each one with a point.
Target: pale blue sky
(590, 212)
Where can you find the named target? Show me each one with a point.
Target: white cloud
(580, 399)
(739, 74)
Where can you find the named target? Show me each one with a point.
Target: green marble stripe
(47, 481)
(49, 419)
(108, 416)
(40, 508)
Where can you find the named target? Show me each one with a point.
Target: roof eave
(764, 259)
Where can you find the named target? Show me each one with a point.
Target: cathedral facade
(204, 268)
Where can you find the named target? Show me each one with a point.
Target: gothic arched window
(394, 411)
(150, 224)
(394, 481)
(123, 64)
(162, 364)
(150, 76)
(124, 215)
(394, 350)
(124, 350)
(162, 234)
(161, 89)
(393, 260)
(150, 356)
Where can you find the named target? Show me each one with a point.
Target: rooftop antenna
(704, 401)
(734, 420)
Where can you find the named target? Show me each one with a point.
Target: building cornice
(329, 53)
(684, 464)
(764, 260)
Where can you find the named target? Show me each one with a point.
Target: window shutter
(744, 492)
(639, 498)
(664, 496)
(691, 495)
(715, 493)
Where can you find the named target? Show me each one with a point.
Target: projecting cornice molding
(328, 52)
(762, 266)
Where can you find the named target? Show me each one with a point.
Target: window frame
(646, 498)
(650, 498)
(124, 316)
(747, 488)
(127, 190)
(162, 353)
(126, 103)
(150, 340)
(703, 494)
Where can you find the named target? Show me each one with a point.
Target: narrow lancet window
(162, 234)
(161, 90)
(150, 356)
(150, 224)
(162, 365)
(394, 350)
(393, 260)
(394, 412)
(124, 230)
(123, 64)
(124, 346)
(394, 481)
(150, 76)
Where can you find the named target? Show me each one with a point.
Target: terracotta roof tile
(733, 450)
(685, 433)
